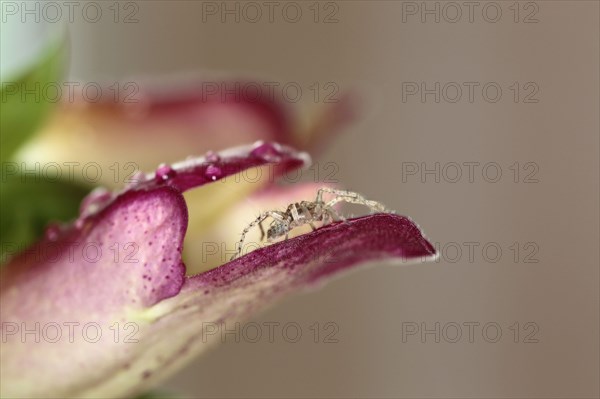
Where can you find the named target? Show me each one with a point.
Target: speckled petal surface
(234, 291)
(109, 311)
(121, 256)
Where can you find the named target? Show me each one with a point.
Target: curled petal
(147, 220)
(121, 256)
(238, 289)
(118, 269)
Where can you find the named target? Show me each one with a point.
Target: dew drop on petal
(164, 172)
(52, 232)
(267, 151)
(213, 172)
(212, 156)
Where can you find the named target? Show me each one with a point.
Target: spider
(305, 212)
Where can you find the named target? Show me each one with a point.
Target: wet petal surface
(116, 288)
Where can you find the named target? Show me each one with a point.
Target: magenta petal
(311, 257)
(248, 284)
(127, 245)
(144, 285)
(181, 102)
(199, 171)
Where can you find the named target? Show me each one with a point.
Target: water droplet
(213, 172)
(212, 156)
(164, 172)
(270, 152)
(52, 232)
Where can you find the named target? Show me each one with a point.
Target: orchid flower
(164, 119)
(105, 306)
(102, 307)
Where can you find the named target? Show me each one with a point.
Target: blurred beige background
(376, 46)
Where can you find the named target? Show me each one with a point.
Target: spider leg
(279, 216)
(351, 197)
(274, 214)
(295, 214)
(308, 215)
(262, 230)
(319, 199)
(240, 243)
(333, 214)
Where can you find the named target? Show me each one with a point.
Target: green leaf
(26, 102)
(28, 203)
